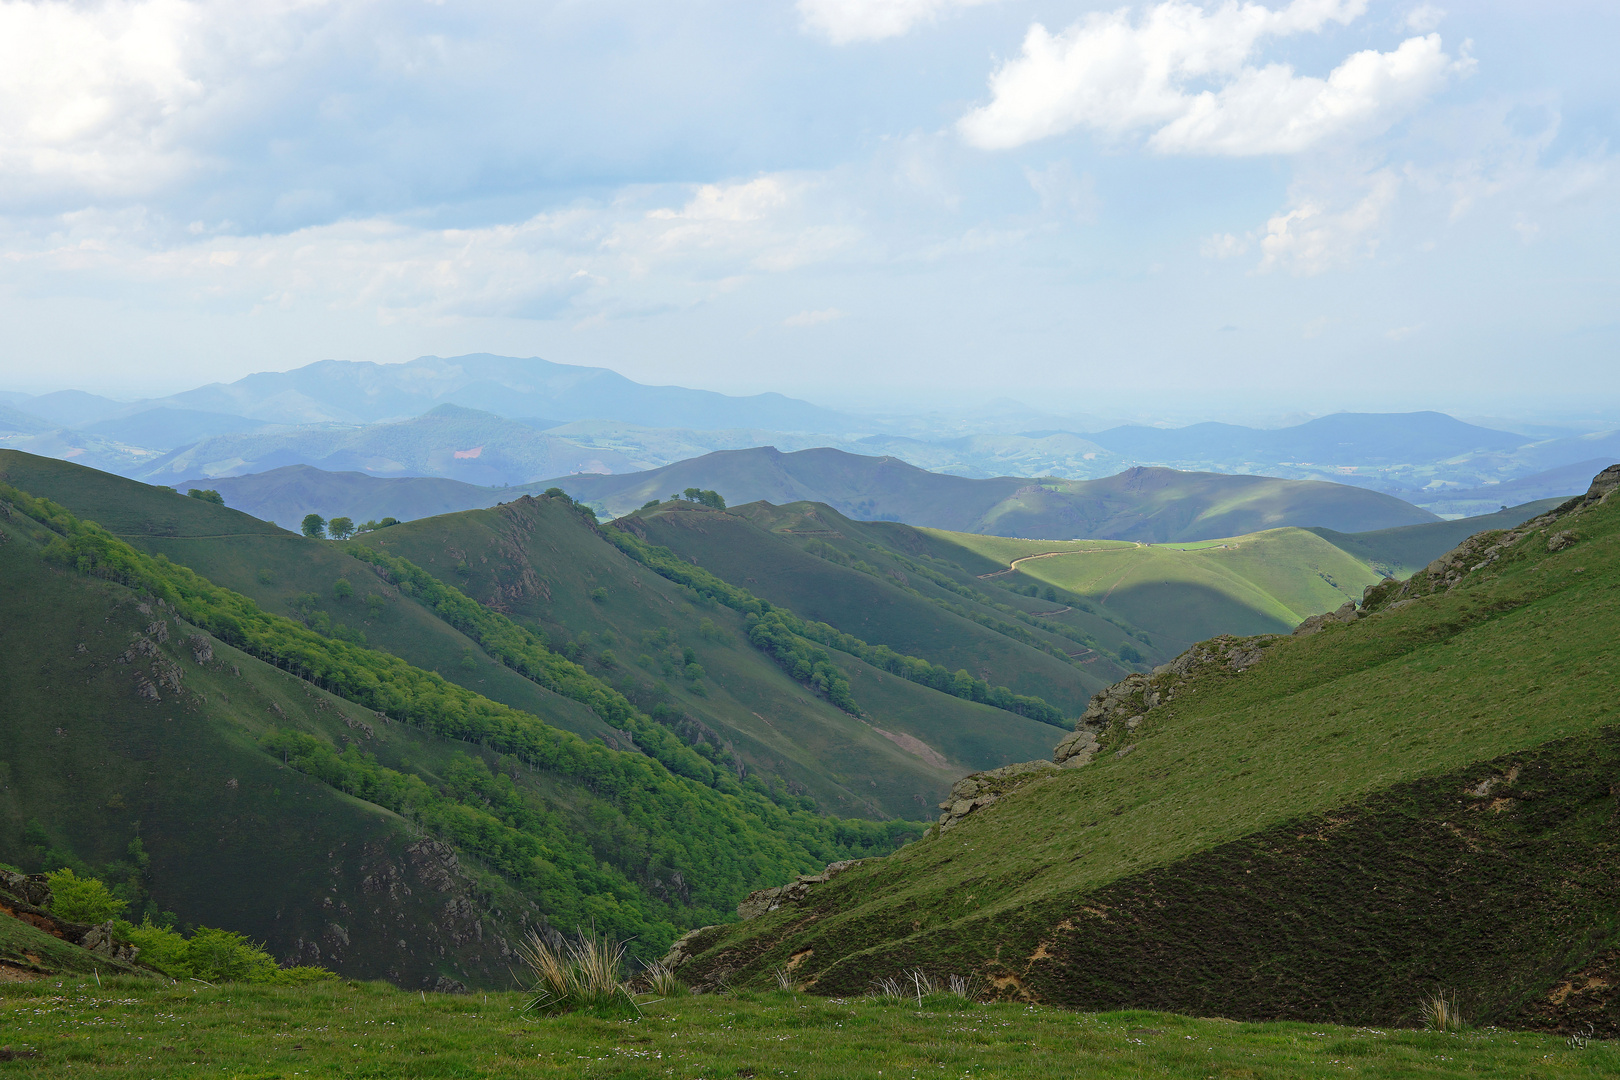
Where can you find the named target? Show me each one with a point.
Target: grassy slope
(1149, 504)
(287, 494)
(133, 1029)
(1157, 505)
(537, 561)
(273, 567)
(1379, 727)
(235, 839)
(1403, 551)
(761, 548)
(1262, 583)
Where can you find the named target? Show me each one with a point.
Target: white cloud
(1117, 76)
(846, 21)
(1062, 192)
(1423, 18)
(814, 318)
(1224, 246)
(1401, 333)
(617, 255)
(1315, 235)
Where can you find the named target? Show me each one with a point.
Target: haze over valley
(815, 538)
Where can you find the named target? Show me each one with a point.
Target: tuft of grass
(1440, 1012)
(784, 979)
(661, 980)
(582, 973)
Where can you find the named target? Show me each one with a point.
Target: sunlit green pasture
(138, 1028)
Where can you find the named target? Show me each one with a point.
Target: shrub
(599, 594)
(207, 495)
(213, 956)
(582, 973)
(1439, 1012)
(341, 589)
(81, 899)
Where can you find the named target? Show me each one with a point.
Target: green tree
(207, 495)
(340, 528)
(706, 497)
(341, 589)
(81, 899)
(314, 526)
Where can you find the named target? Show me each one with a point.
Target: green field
(1309, 838)
(132, 1028)
(1265, 582)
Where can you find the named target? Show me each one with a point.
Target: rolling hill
(856, 577)
(1403, 551)
(541, 563)
(1320, 826)
(1259, 583)
(292, 491)
(294, 780)
(1139, 504)
(1360, 439)
(354, 392)
(450, 441)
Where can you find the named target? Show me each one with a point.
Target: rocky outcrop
(760, 901)
(979, 790)
(1479, 552)
(1346, 613)
(27, 897)
(1077, 749)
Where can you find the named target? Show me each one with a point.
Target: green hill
(331, 798)
(1266, 582)
(1147, 504)
(1405, 550)
(540, 562)
(1319, 826)
(877, 581)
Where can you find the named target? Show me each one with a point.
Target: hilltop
(1138, 504)
(1319, 826)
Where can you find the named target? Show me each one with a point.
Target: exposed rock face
(982, 789)
(760, 901)
(1346, 613)
(1077, 749)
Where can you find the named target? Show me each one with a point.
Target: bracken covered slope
(1326, 825)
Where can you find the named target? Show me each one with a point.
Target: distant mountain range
(450, 441)
(535, 419)
(1141, 504)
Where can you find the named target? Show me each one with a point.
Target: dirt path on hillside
(1012, 567)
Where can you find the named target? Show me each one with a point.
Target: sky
(1310, 204)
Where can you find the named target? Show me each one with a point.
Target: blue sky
(1306, 204)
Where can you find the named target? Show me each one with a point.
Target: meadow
(126, 1027)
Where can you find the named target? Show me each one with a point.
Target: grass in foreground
(134, 1028)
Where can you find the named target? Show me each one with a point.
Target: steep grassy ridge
(1404, 551)
(585, 832)
(539, 562)
(812, 559)
(235, 838)
(1263, 583)
(1321, 826)
(288, 575)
